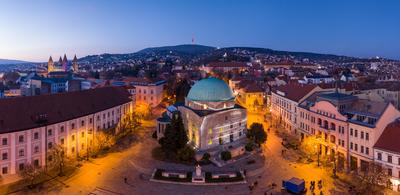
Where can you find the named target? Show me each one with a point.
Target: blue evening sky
(33, 30)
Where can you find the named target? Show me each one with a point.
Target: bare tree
(31, 173)
(372, 180)
(58, 158)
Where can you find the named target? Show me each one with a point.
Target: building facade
(31, 126)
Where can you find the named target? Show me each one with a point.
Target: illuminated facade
(211, 116)
(31, 126)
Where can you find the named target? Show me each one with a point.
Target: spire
(50, 59)
(65, 58)
(75, 66)
(60, 60)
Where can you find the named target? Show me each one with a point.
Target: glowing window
(210, 141)
(210, 131)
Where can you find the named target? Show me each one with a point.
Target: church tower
(65, 63)
(75, 65)
(50, 65)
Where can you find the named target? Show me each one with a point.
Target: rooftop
(389, 139)
(22, 113)
(294, 91)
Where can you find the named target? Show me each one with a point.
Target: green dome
(210, 90)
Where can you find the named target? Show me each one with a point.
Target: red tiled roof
(253, 88)
(389, 139)
(22, 113)
(295, 91)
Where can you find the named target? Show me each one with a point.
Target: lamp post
(334, 162)
(316, 148)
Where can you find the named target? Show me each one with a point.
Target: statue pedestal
(198, 176)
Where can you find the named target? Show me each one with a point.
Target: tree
(175, 136)
(181, 90)
(31, 173)
(226, 155)
(186, 153)
(58, 158)
(371, 180)
(257, 134)
(103, 141)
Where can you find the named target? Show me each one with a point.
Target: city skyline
(33, 32)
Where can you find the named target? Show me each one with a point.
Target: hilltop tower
(75, 65)
(50, 65)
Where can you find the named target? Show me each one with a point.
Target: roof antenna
(193, 40)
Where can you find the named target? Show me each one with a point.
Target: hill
(7, 61)
(189, 49)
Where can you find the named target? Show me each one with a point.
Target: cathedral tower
(75, 65)
(50, 65)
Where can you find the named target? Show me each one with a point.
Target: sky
(34, 30)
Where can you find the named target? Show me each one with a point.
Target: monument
(198, 176)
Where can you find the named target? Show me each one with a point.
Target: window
(389, 158)
(379, 156)
(21, 139)
(21, 152)
(72, 125)
(4, 141)
(62, 129)
(355, 147)
(4, 170)
(36, 135)
(83, 146)
(90, 120)
(49, 132)
(355, 133)
(210, 131)
(83, 134)
(21, 166)
(362, 134)
(82, 123)
(351, 131)
(36, 162)
(366, 136)
(4, 156)
(351, 145)
(62, 141)
(362, 149)
(367, 150)
(210, 141)
(50, 145)
(73, 149)
(36, 149)
(73, 137)
(389, 171)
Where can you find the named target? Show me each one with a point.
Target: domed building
(211, 116)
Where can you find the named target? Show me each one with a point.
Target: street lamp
(316, 148)
(334, 162)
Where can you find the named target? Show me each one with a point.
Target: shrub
(154, 135)
(206, 157)
(186, 153)
(226, 155)
(249, 147)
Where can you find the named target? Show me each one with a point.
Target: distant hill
(6, 62)
(189, 49)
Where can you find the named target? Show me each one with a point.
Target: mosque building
(210, 115)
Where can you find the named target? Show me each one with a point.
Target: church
(62, 65)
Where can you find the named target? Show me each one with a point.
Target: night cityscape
(176, 97)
